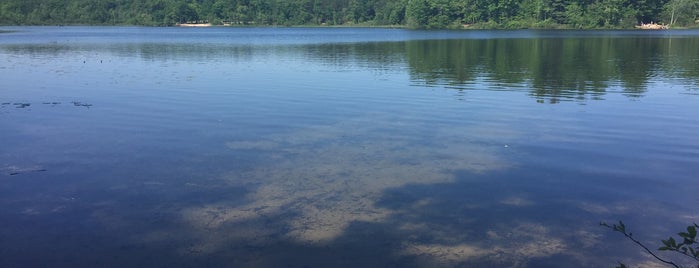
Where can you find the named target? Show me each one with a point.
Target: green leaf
(692, 231)
(683, 234)
(664, 248)
(686, 242)
(673, 243)
(621, 265)
(666, 243)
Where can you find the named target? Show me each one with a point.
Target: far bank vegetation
(508, 14)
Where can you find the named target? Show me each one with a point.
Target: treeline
(412, 13)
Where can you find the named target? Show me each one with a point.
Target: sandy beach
(194, 24)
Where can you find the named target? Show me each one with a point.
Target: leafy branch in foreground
(689, 246)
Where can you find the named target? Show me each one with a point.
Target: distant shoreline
(466, 27)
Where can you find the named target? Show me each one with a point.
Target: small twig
(650, 252)
(685, 254)
(622, 229)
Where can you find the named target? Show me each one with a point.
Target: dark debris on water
(26, 171)
(52, 103)
(17, 170)
(21, 104)
(81, 104)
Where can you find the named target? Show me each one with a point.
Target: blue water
(343, 147)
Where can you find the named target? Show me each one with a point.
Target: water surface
(294, 147)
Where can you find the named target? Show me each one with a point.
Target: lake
(344, 147)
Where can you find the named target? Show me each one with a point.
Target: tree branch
(622, 229)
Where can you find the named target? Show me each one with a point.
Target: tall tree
(417, 13)
(681, 12)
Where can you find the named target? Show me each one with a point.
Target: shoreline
(467, 27)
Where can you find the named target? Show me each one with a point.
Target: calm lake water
(293, 147)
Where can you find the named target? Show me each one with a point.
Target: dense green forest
(411, 13)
